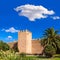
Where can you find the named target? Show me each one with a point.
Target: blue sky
(34, 15)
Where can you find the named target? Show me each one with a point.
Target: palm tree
(51, 37)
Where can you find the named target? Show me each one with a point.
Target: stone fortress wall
(26, 44)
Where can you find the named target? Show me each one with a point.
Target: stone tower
(25, 42)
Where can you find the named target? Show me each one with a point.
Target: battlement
(24, 31)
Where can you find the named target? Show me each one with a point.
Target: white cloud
(33, 12)
(56, 17)
(12, 30)
(9, 37)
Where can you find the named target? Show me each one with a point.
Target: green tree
(51, 38)
(4, 46)
(15, 47)
(49, 51)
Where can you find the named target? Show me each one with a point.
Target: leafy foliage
(23, 54)
(49, 50)
(15, 48)
(51, 41)
(4, 46)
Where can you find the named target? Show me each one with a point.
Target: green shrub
(15, 47)
(49, 51)
(8, 55)
(4, 46)
(23, 54)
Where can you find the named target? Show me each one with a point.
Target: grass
(13, 56)
(56, 58)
